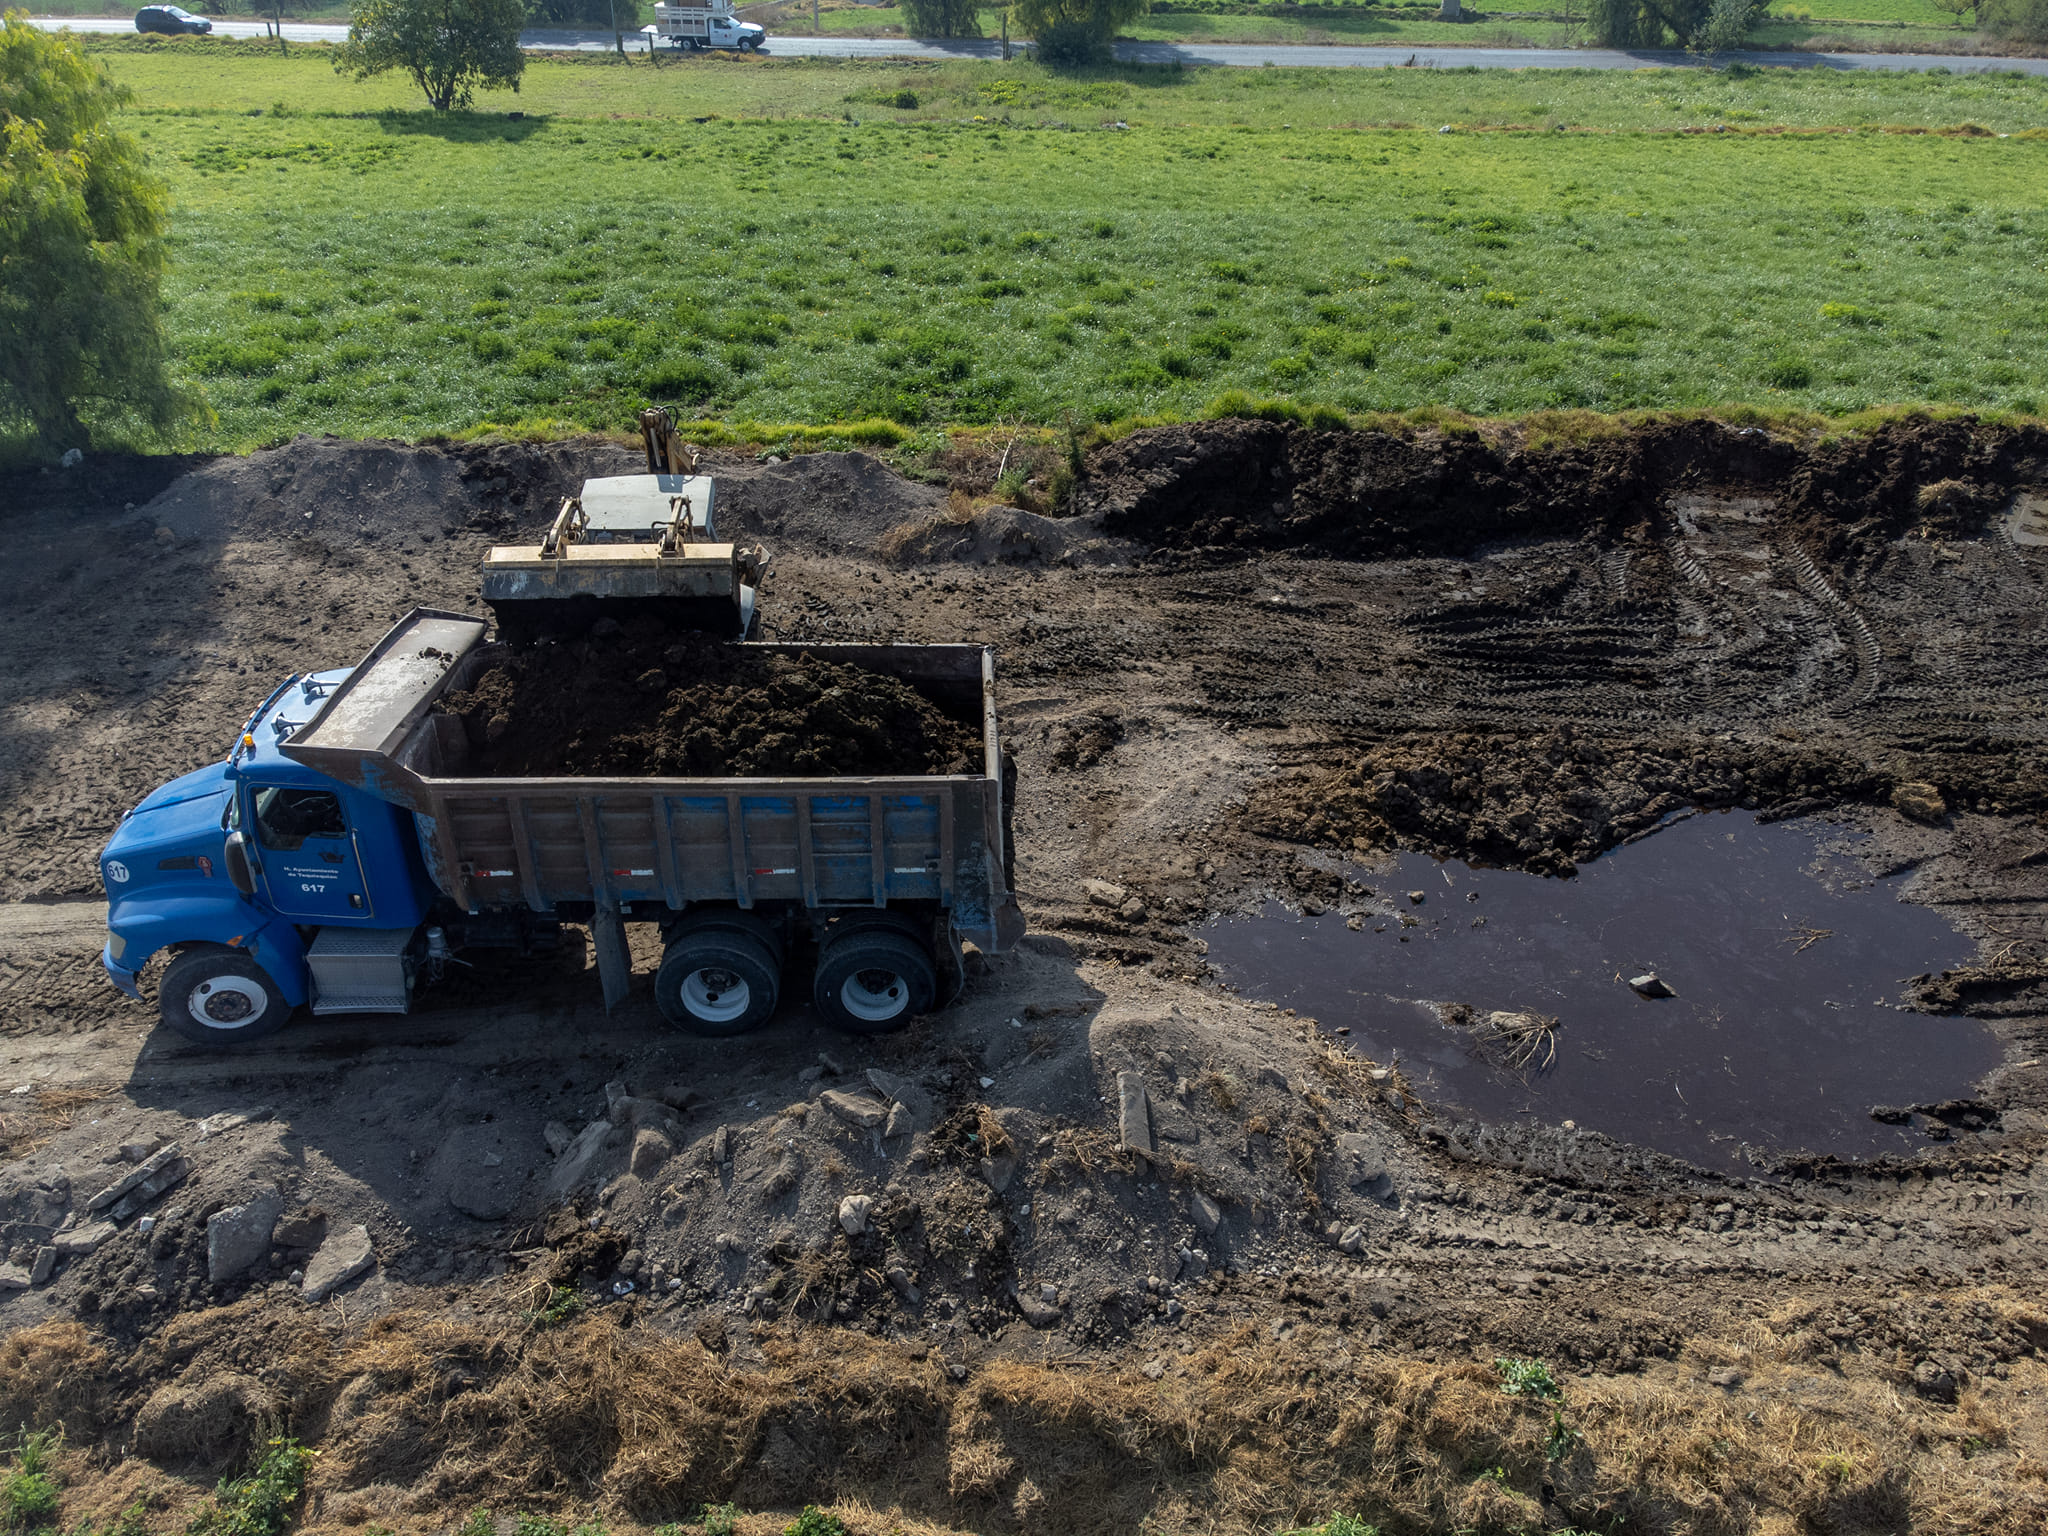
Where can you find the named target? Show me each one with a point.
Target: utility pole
(618, 37)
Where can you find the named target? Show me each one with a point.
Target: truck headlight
(116, 945)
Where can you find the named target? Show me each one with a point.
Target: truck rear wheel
(220, 998)
(717, 981)
(874, 980)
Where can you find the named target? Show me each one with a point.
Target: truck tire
(874, 980)
(731, 920)
(717, 981)
(220, 998)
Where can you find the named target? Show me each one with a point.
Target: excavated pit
(1778, 1020)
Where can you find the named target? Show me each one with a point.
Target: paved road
(1239, 55)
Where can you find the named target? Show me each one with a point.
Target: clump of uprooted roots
(417, 1420)
(1524, 1041)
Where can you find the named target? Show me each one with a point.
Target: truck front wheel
(874, 980)
(219, 997)
(717, 981)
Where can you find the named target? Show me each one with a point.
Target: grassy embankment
(780, 241)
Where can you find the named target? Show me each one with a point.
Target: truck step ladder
(361, 970)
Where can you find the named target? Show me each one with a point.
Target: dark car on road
(170, 18)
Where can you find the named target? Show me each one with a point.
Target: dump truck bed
(637, 845)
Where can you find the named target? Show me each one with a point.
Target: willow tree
(1074, 31)
(81, 250)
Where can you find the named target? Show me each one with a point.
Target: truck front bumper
(125, 980)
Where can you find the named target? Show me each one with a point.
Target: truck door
(310, 865)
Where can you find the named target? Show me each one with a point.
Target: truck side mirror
(241, 875)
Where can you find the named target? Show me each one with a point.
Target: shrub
(721, 1520)
(28, 1498)
(941, 18)
(262, 1503)
(904, 100)
(1528, 1378)
(814, 1521)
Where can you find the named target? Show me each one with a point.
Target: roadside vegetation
(915, 245)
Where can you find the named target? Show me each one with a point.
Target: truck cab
(258, 868)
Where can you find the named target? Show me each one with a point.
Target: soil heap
(643, 701)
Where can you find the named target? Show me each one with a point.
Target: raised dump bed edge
(359, 857)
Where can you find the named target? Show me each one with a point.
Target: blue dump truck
(345, 852)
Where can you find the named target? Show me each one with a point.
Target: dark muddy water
(1786, 961)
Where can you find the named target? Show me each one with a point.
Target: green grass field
(770, 241)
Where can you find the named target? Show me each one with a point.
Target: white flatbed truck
(710, 25)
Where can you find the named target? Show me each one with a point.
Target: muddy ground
(607, 1270)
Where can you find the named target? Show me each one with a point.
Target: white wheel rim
(227, 1002)
(716, 995)
(874, 995)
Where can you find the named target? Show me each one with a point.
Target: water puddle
(1785, 961)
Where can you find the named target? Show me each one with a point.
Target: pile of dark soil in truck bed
(648, 703)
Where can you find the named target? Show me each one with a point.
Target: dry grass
(419, 1420)
(30, 1121)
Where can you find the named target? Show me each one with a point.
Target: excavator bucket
(629, 546)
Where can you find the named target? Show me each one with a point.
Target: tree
(1709, 25)
(81, 248)
(941, 18)
(2023, 20)
(449, 47)
(1075, 31)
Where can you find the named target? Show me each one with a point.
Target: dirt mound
(641, 701)
(841, 503)
(1263, 485)
(213, 1422)
(1244, 485)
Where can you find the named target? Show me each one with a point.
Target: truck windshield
(286, 817)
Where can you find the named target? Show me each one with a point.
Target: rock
(584, 1159)
(1727, 1377)
(139, 1151)
(901, 1090)
(1353, 1240)
(135, 1178)
(1648, 985)
(900, 1123)
(679, 1097)
(238, 1238)
(1170, 1122)
(1922, 802)
(341, 1258)
(788, 1169)
(303, 1228)
(997, 1171)
(721, 1146)
(855, 1109)
(1363, 1167)
(831, 1064)
(1101, 893)
(72, 458)
(899, 1280)
(650, 1150)
(557, 1136)
(45, 1265)
(1039, 1314)
(1273, 1077)
(230, 1119)
(83, 1240)
(1418, 897)
(1134, 1112)
(479, 1171)
(1933, 1382)
(810, 1075)
(1206, 1213)
(1132, 911)
(13, 1277)
(635, 1112)
(1890, 1114)
(853, 1214)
